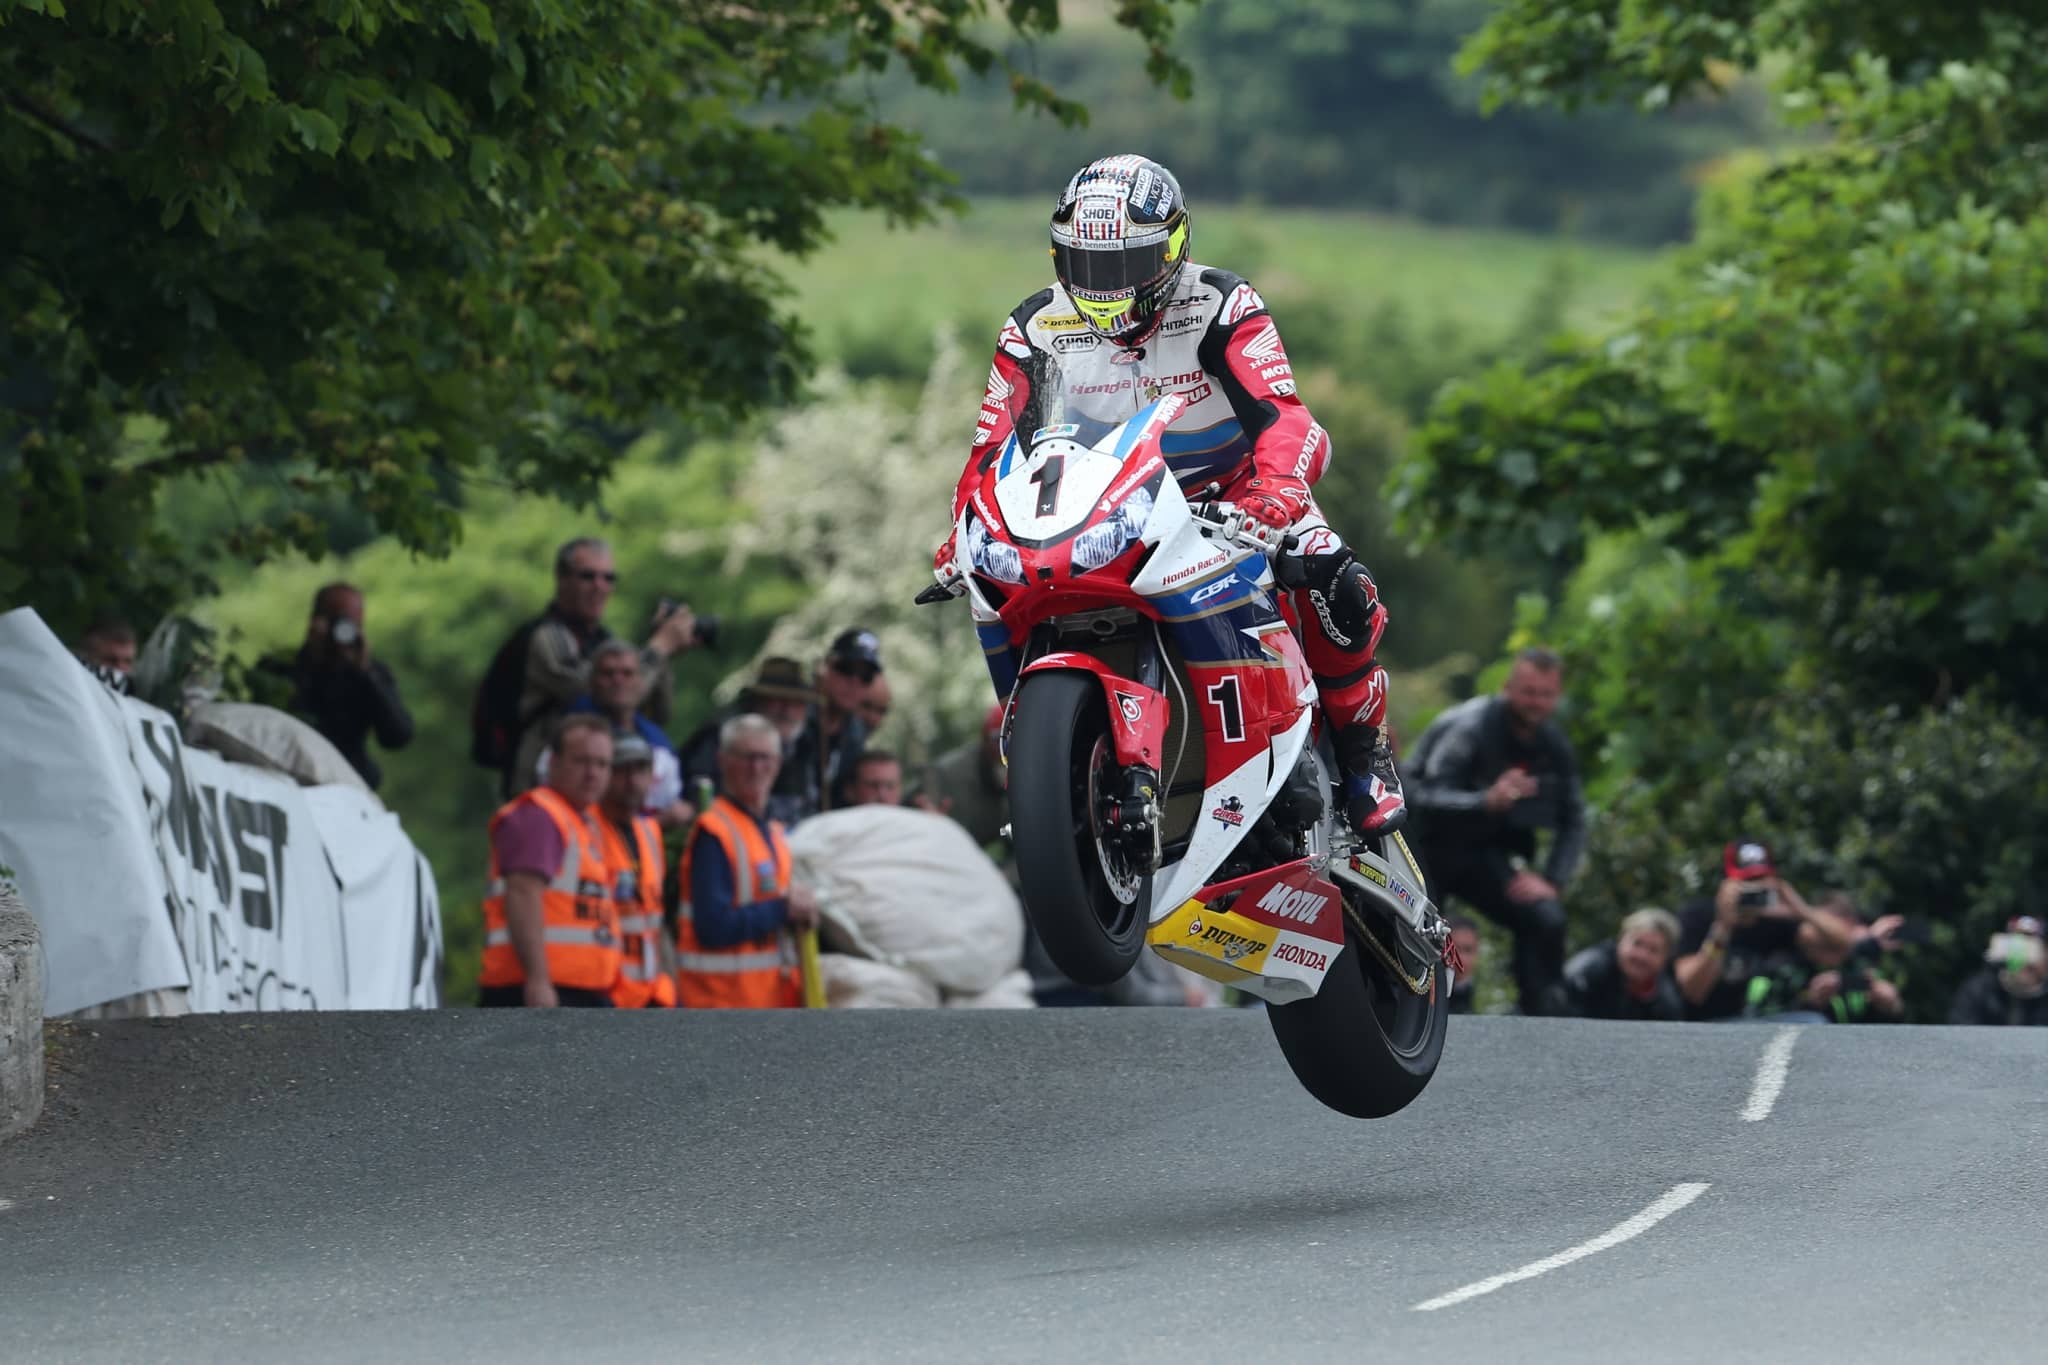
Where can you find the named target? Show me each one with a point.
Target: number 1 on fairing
(1047, 477)
(1223, 694)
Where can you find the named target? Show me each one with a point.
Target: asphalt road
(1072, 1184)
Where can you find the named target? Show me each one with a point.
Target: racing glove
(1275, 499)
(942, 559)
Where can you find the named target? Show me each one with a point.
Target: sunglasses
(595, 575)
(864, 672)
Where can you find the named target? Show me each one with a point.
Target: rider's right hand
(942, 559)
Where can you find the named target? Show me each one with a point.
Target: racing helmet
(1119, 240)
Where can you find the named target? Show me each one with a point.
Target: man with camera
(1485, 777)
(340, 690)
(2012, 989)
(1753, 921)
(561, 644)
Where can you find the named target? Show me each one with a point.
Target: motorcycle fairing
(1137, 713)
(1273, 934)
(1251, 684)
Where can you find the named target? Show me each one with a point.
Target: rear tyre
(1365, 1044)
(1087, 901)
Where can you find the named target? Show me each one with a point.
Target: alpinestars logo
(1011, 339)
(1290, 903)
(1242, 303)
(1265, 348)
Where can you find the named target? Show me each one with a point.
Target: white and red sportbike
(1170, 780)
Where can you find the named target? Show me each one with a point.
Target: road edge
(21, 1016)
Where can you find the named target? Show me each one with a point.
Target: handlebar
(1223, 519)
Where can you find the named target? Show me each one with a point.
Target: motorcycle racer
(1131, 318)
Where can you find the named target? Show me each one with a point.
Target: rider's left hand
(1275, 499)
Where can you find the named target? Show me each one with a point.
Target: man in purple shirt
(530, 850)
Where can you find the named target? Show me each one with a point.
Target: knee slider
(1347, 602)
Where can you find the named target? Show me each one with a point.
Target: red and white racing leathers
(1244, 427)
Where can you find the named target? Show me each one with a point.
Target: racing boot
(1372, 789)
(1344, 620)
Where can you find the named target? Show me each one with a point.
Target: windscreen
(1082, 390)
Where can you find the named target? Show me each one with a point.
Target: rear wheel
(1366, 1044)
(1088, 895)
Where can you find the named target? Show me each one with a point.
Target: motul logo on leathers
(1288, 903)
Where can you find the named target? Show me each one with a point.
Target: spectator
(1839, 984)
(1464, 933)
(562, 643)
(635, 857)
(1624, 978)
(551, 933)
(731, 947)
(1484, 778)
(2013, 987)
(971, 784)
(336, 686)
(108, 645)
(877, 779)
(615, 687)
(873, 707)
(1754, 918)
(821, 760)
(781, 694)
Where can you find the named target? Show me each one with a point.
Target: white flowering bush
(852, 492)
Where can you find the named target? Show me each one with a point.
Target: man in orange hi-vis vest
(738, 906)
(551, 931)
(632, 849)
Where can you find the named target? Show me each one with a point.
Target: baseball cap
(856, 651)
(628, 747)
(781, 679)
(1748, 860)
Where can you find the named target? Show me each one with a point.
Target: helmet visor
(1111, 268)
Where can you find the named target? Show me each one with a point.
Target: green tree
(1819, 447)
(358, 254)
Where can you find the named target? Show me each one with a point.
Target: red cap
(1747, 860)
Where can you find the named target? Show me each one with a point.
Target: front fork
(1128, 810)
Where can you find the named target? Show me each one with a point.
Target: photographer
(1483, 779)
(1754, 921)
(336, 686)
(2013, 987)
(559, 646)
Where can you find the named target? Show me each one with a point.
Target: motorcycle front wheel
(1365, 1044)
(1088, 899)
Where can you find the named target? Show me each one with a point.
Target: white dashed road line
(1670, 1202)
(1771, 1071)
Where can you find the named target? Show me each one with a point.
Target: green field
(881, 290)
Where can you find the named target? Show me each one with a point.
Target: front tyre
(1088, 898)
(1365, 1044)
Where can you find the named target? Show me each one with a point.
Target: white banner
(151, 865)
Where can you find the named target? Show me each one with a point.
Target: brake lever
(946, 591)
